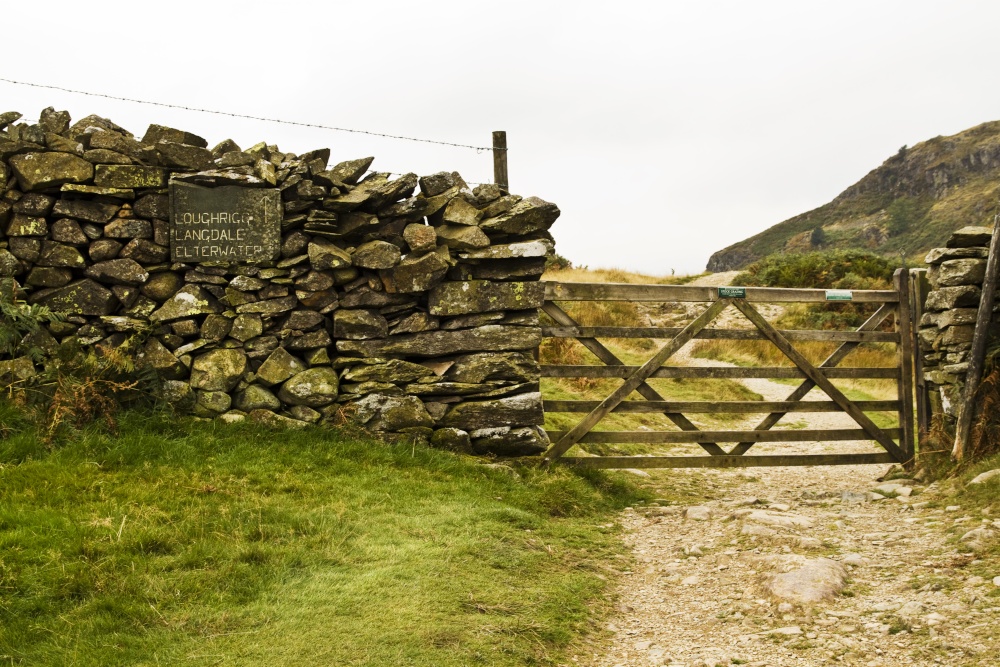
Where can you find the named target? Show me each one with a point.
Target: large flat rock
(490, 338)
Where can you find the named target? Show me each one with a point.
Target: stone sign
(226, 224)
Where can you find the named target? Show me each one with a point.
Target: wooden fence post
(977, 355)
(500, 161)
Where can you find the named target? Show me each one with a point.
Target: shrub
(836, 269)
(831, 269)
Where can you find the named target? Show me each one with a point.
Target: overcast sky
(663, 130)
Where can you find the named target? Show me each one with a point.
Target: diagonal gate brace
(820, 380)
(637, 378)
(835, 358)
(644, 390)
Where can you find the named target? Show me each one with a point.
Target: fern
(18, 321)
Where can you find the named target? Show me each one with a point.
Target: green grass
(190, 543)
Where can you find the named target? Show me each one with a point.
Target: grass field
(186, 543)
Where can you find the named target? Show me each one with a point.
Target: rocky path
(702, 591)
(801, 566)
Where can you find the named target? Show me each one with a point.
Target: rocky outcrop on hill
(909, 205)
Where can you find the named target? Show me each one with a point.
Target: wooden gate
(897, 443)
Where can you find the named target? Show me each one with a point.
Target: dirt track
(696, 595)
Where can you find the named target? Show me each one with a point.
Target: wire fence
(478, 149)
(384, 135)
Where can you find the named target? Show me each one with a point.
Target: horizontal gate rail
(717, 334)
(716, 373)
(613, 292)
(673, 437)
(720, 407)
(725, 461)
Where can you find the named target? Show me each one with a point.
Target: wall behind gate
(955, 278)
(409, 304)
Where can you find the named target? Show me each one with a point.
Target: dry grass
(764, 353)
(585, 275)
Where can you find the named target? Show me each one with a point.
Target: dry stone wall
(310, 292)
(955, 275)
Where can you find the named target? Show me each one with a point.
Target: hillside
(910, 204)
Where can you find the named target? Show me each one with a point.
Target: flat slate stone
(83, 297)
(526, 216)
(938, 255)
(118, 272)
(491, 338)
(231, 223)
(58, 254)
(521, 410)
(117, 193)
(461, 237)
(481, 296)
(945, 298)
(184, 156)
(24, 225)
(89, 211)
(44, 276)
(526, 269)
(188, 301)
(129, 176)
(416, 273)
(511, 366)
(538, 248)
(393, 370)
(36, 171)
(954, 272)
(376, 255)
(968, 237)
(507, 441)
(325, 255)
(156, 133)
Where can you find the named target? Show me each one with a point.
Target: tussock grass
(182, 542)
(764, 353)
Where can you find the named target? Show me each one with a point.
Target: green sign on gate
(732, 292)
